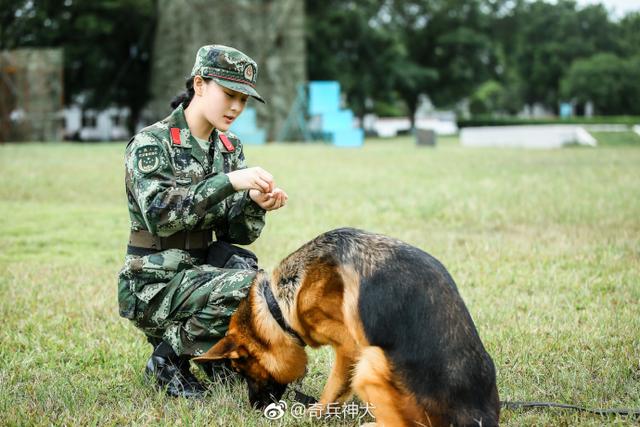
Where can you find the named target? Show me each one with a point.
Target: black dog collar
(275, 311)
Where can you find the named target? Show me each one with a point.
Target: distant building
(94, 125)
(443, 123)
(535, 111)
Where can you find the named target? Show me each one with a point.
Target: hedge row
(508, 121)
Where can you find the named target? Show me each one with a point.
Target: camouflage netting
(270, 31)
(31, 95)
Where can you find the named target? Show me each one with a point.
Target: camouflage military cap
(228, 67)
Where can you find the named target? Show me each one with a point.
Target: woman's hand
(269, 201)
(254, 178)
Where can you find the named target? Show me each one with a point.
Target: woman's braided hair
(185, 97)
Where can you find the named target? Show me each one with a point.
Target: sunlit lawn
(544, 246)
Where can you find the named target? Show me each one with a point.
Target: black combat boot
(220, 372)
(171, 373)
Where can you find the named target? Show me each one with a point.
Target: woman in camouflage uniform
(187, 186)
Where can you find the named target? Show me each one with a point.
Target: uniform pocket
(126, 299)
(150, 274)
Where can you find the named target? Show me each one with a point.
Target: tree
(408, 19)
(549, 38)
(610, 82)
(346, 43)
(628, 34)
(489, 98)
(107, 46)
(448, 49)
(379, 48)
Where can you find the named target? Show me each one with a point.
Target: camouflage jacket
(173, 185)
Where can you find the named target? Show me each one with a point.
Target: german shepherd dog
(403, 339)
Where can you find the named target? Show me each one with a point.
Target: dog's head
(262, 386)
(260, 351)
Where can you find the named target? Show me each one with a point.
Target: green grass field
(544, 246)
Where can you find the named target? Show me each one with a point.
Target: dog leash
(296, 394)
(597, 411)
(300, 397)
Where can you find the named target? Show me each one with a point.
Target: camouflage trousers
(171, 296)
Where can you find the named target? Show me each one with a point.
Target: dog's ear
(226, 348)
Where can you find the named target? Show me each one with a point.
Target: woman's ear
(199, 85)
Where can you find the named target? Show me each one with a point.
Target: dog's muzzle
(261, 395)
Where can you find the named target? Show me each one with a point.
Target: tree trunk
(412, 104)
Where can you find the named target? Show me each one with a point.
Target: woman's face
(219, 105)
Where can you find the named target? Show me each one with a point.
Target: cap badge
(248, 72)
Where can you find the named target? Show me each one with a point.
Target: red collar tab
(175, 136)
(227, 144)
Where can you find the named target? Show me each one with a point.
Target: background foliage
(107, 46)
(500, 55)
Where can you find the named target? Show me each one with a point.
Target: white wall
(534, 136)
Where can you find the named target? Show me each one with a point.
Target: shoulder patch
(147, 158)
(227, 144)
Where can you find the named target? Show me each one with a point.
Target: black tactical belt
(185, 240)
